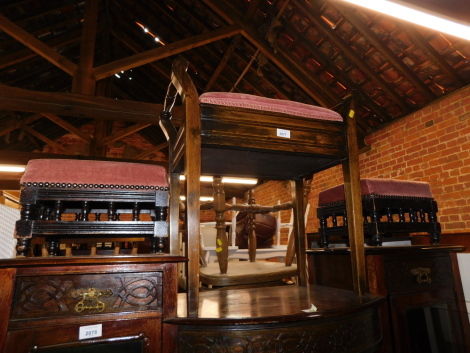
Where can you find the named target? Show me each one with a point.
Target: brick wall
(432, 145)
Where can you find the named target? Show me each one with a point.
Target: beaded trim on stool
(95, 186)
(377, 196)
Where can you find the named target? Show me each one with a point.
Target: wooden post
(299, 229)
(352, 191)
(174, 213)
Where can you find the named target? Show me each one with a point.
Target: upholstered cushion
(91, 172)
(383, 187)
(249, 101)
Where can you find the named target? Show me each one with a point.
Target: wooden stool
(81, 200)
(388, 207)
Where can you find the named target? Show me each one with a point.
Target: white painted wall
(8, 218)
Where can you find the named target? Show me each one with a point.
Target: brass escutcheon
(423, 274)
(89, 299)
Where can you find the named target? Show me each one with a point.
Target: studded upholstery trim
(95, 186)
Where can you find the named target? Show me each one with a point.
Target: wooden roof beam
(43, 138)
(140, 59)
(351, 54)
(227, 55)
(432, 54)
(37, 46)
(84, 81)
(24, 54)
(124, 132)
(22, 158)
(14, 123)
(365, 31)
(151, 150)
(67, 126)
(297, 74)
(69, 104)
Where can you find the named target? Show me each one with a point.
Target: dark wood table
(272, 319)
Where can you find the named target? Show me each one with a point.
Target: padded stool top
(241, 100)
(383, 187)
(91, 172)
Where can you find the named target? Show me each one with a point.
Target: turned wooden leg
(252, 242)
(117, 248)
(53, 247)
(324, 241)
(221, 239)
(23, 246)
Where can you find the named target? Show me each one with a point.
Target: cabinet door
(426, 322)
(120, 336)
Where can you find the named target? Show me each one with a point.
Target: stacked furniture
(229, 134)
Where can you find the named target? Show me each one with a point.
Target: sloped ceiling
(67, 63)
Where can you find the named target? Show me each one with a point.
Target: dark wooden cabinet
(87, 304)
(425, 309)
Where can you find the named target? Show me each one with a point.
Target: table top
(273, 305)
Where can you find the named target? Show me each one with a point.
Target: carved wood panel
(354, 334)
(72, 295)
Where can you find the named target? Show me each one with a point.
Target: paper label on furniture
(90, 331)
(283, 133)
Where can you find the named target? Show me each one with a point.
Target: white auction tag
(283, 133)
(90, 331)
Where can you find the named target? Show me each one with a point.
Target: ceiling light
(231, 180)
(12, 168)
(202, 198)
(417, 15)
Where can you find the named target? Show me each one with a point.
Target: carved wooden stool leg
(44, 251)
(52, 247)
(117, 248)
(93, 249)
(135, 248)
(324, 241)
(23, 246)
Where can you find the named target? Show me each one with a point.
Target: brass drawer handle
(423, 274)
(89, 299)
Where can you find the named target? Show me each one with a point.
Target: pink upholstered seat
(389, 207)
(383, 187)
(241, 100)
(80, 201)
(92, 173)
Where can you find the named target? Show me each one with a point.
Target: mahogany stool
(77, 201)
(388, 206)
